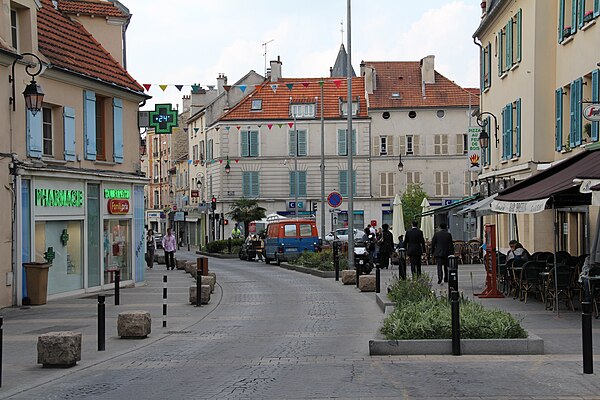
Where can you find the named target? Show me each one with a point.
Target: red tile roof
(91, 7)
(404, 77)
(276, 104)
(68, 45)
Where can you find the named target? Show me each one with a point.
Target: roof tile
(68, 45)
(91, 7)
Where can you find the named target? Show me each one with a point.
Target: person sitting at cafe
(517, 251)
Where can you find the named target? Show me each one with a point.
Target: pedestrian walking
(414, 242)
(441, 247)
(150, 248)
(169, 245)
(386, 246)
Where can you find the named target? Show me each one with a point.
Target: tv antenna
(265, 53)
(342, 30)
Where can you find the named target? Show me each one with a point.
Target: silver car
(342, 235)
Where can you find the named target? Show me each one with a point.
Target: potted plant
(587, 17)
(566, 31)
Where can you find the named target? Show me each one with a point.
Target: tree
(245, 211)
(411, 203)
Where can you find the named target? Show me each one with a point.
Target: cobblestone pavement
(271, 333)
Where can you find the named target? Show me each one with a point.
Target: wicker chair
(474, 251)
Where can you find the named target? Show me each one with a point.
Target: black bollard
(164, 301)
(402, 263)
(455, 323)
(188, 241)
(117, 286)
(452, 275)
(101, 323)
(377, 279)
(1, 338)
(586, 335)
(336, 260)
(198, 287)
(229, 245)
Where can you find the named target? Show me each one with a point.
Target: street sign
(334, 199)
(179, 216)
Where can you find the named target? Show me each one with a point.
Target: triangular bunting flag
(236, 160)
(321, 83)
(217, 128)
(337, 83)
(185, 130)
(238, 127)
(269, 126)
(280, 125)
(243, 88)
(227, 128)
(220, 161)
(259, 126)
(189, 161)
(196, 130)
(290, 124)
(147, 86)
(274, 87)
(179, 87)
(289, 85)
(305, 84)
(226, 87)
(163, 87)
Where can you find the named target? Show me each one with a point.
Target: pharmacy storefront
(86, 230)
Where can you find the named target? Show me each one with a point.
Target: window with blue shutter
(253, 143)
(574, 13)
(118, 130)
(509, 131)
(580, 12)
(489, 65)
(489, 148)
(578, 111)
(209, 150)
(34, 135)
(301, 142)
(518, 128)
(343, 142)
(561, 20)
(500, 52)
(245, 151)
(504, 138)
(249, 143)
(89, 124)
(596, 8)
(509, 31)
(595, 100)
(301, 183)
(519, 49)
(69, 133)
(343, 182)
(250, 184)
(558, 108)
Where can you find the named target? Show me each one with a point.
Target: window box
(588, 16)
(566, 31)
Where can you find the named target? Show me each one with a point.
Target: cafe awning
(450, 206)
(556, 186)
(480, 208)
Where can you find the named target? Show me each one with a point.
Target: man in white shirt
(169, 245)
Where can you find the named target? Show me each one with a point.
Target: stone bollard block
(205, 294)
(59, 349)
(190, 266)
(366, 283)
(349, 277)
(134, 324)
(180, 264)
(209, 280)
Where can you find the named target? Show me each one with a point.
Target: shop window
(117, 246)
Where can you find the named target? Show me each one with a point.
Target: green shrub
(420, 315)
(323, 260)
(221, 246)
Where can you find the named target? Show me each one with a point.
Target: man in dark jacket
(386, 246)
(414, 242)
(442, 246)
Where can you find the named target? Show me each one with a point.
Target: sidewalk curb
(306, 270)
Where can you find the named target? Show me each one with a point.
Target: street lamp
(400, 164)
(34, 96)
(484, 138)
(227, 166)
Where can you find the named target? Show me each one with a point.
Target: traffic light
(225, 222)
(314, 204)
(213, 203)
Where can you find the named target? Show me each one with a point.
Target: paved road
(272, 334)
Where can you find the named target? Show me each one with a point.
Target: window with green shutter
(249, 143)
(575, 113)
(343, 142)
(300, 184)
(250, 184)
(519, 28)
(518, 128)
(509, 44)
(558, 108)
(595, 99)
(301, 143)
(500, 52)
(343, 182)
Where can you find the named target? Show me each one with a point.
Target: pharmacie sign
(58, 198)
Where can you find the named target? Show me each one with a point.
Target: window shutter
(302, 143)
(255, 192)
(504, 138)
(342, 149)
(444, 144)
(354, 148)
(519, 35)
(302, 189)
(416, 145)
(383, 184)
(436, 145)
(34, 134)
(580, 12)
(482, 70)
(595, 98)
(561, 20)
(572, 111)
(489, 64)
(69, 133)
(118, 130)
(518, 128)
(500, 51)
(89, 124)
(574, 16)
(246, 183)
(253, 143)
(245, 147)
(343, 181)
(438, 183)
(390, 145)
(459, 143)
(596, 8)
(558, 95)
(445, 183)
(292, 183)
(509, 44)
(509, 130)
(292, 143)
(402, 144)
(376, 141)
(578, 111)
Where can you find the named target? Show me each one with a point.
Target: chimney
(186, 102)
(275, 69)
(221, 82)
(370, 76)
(427, 69)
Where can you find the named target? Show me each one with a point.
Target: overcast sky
(192, 41)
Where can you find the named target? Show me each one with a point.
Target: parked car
(287, 239)
(342, 235)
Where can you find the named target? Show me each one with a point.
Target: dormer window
(306, 110)
(344, 108)
(256, 105)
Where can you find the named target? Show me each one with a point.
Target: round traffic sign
(334, 199)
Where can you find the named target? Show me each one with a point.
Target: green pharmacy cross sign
(163, 118)
(50, 255)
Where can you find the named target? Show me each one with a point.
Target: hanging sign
(592, 112)
(474, 150)
(118, 206)
(163, 119)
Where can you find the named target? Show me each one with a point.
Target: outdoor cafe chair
(530, 281)
(474, 251)
(562, 287)
(514, 269)
(460, 251)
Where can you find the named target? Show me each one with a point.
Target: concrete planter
(216, 255)
(311, 271)
(531, 345)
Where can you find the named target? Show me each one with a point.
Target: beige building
(538, 72)
(72, 184)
